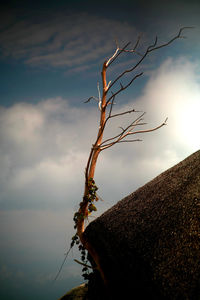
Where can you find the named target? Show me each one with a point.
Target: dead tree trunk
(105, 104)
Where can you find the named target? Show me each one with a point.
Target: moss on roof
(150, 240)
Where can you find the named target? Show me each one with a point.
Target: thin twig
(80, 263)
(134, 123)
(132, 51)
(124, 87)
(130, 141)
(148, 50)
(124, 134)
(178, 36)
(92, 97)
(64, 260)
(137, 42)
(111, 107)
(116, 54)
(123, 113)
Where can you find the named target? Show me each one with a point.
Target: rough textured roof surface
(149, 242)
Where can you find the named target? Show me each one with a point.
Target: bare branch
(119, 50)
(123, 113)
(148, 50)
(115, 142)
(112, 57)
(132, 50)
(123, 87)
(130, 141)
(112, 116)
(108, 84)
(154, 44)
(116, 54)
(135, 123)
(122, 136)
(178, 36)
(145, 131)
(118, 136)
(110, 139)
(94, 98)
(137, 42)
(128, 131)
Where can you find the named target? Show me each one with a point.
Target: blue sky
(51, 54)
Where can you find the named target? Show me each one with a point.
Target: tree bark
(89, 175)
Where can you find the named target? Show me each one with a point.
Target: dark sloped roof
(149, 242)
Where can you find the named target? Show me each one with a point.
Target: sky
(51, 55)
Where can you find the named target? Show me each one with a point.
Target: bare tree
(126, 135)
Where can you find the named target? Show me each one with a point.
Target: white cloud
(64, 40)
(42, 152)
(174, 91)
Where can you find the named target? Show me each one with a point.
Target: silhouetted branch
(123, 113)
(113, 116)
(111, 106)
(94, 98)
(124, 87)
(130, 141)
(119, 50)
(178, 36)
(137, 42)
(148, 50)
(120, 137)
